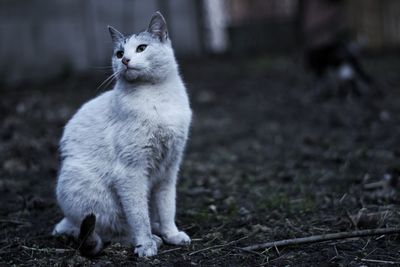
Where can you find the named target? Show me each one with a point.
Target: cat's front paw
(147, 249)
(179, 239)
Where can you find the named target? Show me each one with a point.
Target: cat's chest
(153, 125)
(164, 128)
(157, 127)
(173, 115)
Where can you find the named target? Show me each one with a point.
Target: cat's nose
(125, 61)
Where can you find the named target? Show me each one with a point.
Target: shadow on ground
(265, 161)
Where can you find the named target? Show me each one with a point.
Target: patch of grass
(303, 205)
(201, 215)
(282, 202)
(275, 201)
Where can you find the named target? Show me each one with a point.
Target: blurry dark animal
(343, 59)
(327, 50)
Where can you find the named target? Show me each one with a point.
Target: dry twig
(321, 238)
(380, 261)
(218, 246)
(169, 250)
(49, 250)
(15, 222)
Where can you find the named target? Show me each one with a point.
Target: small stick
(15, 222)
(56, 250)
(380, 261)
(374, 185)
(321, 238)
(352, 219)
(169, 250)
(219, 246)
(253, 252)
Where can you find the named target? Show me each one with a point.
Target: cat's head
(145, 56)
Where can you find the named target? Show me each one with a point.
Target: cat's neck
(129, 96)
(132, 86)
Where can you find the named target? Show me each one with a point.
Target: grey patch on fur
(158, 27)
(116, 36)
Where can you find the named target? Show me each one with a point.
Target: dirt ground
(266, 161)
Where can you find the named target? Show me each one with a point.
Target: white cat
(121, 151)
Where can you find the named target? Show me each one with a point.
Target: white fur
(122, 150)
(345, 72)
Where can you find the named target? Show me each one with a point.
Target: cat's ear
(158, 27)
(116, 36)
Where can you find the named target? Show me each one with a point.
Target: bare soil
(266, 161)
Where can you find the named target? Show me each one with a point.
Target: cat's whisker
(113, 78)
(108, 79)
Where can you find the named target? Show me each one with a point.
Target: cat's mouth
(131, 73)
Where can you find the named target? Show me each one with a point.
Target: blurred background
(296, 127)
(50, 37)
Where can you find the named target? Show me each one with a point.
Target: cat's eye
(119, 54)
(141, 48)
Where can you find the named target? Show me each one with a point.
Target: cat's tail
(90, 243)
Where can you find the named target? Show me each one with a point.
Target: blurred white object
(216, 22)
(345, 72)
